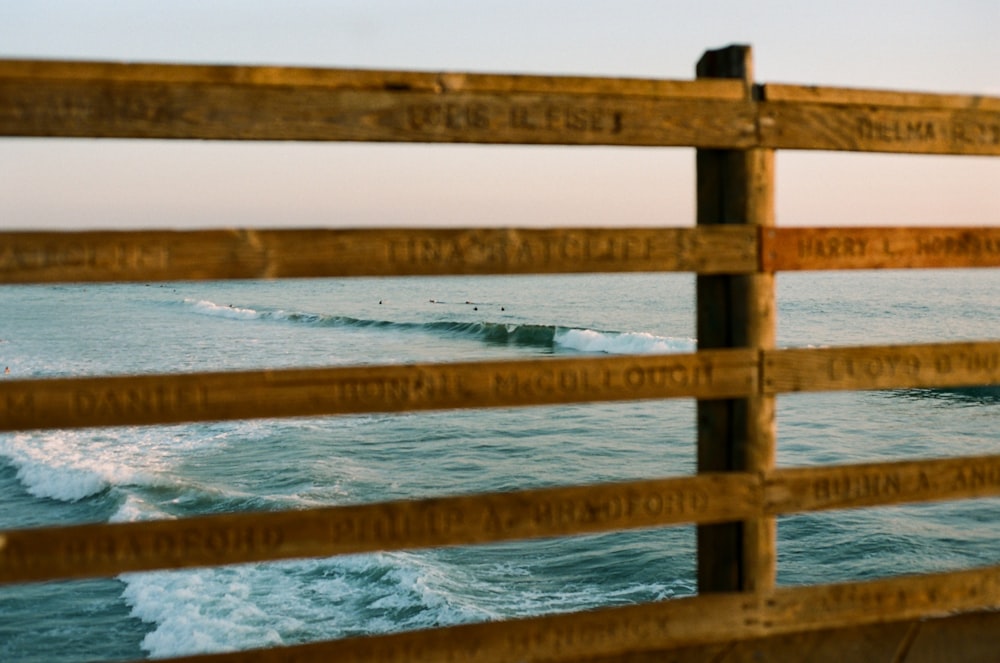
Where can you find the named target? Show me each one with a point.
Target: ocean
(129, 473)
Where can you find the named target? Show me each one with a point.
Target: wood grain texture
(185, 397)
(882, 367)
(873, 97)
(118, 256)
(109, 549)
(861, 128)
(83, 551)
(707, 374)
(794, 490)
(628, 632)
(359, 79)
(794, 249)
(735, 188)
(102, 99)
(105, 100)
(969, 638)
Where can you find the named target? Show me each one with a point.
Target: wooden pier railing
(735, 250)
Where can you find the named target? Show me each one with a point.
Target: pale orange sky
(931, 46)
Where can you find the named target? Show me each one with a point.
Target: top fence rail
(116, 100)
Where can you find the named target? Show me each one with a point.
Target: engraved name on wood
(878, 248)
(46, 257)
(885, 367)
(233, 103)
(94, 550)
(808, 117)
(171, 398)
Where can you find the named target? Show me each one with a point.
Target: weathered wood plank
(872, 97)
(83, 551)
(970, 638)
(361, 79)
(882, 367)
(554, 638)
(861, 128)
(218, 103)
(735, 188)
(881, 601)
(185, 397)
(793, 490)
(93, 550)
(171, 398)
(879, 248)
(686, 622)
(48, 257)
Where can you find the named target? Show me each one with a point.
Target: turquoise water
(125, 474)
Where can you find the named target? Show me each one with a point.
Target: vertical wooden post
(736, 187)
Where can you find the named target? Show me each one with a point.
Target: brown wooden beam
(735, 187)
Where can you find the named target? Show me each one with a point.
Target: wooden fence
(735, 250)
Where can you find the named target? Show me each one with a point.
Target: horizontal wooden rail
(101, 99)
(708, 374)
(82, 551)
(123, 256)
(788, 249)
(246, 103)
(95, 550)
(184, 397)
(882, 367)
(710, 618)
(972, 637)
(48, 257)
(818, 118)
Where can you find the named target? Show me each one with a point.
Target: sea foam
(588, 340)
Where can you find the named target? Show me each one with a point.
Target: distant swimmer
(6, 370)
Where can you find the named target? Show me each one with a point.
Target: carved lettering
(192, 543)
(891, 365)
(117, 257)
(508, 251)
(898, 130)
(966, 244)
(619, 508)
(17, 404)
(395, 526)
(671, 375)
(925, 130)
(423, 387)
(853, 487)
(556, 117)
(154, 400)
(976, 476)
(549, 382)
(452, 115)
(584, 637)
(969, 363)
(637, 379)
(975, 133)
(833, 247)
(973, 364)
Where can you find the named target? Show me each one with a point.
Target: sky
(932, 46)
